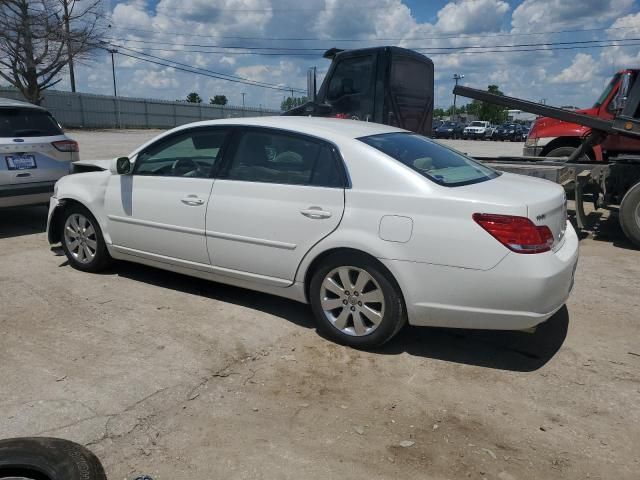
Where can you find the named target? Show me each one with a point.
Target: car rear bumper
(520, 292)
(15, 195)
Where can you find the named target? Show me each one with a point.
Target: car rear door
(278, 195)
(159, 211)
(28, 151)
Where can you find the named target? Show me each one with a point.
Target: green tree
(292, 102)
(193, 97)
(488, 111)
(439, 112)
(218, 100)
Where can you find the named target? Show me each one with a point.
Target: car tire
(82, 242)
(565, 152)
(350, 321)
(43, 458)
(629, 214)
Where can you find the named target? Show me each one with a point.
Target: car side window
(192, 153)
(275, 157)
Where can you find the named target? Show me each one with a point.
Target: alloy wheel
(80, 238)
(352, 300)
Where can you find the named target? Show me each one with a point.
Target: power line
(302, 9)
(425, 51)
(248, 81)
(436, 37)
(295, 49)
(192, 70)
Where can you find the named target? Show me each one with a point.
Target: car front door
(278, 194)
(159, 210)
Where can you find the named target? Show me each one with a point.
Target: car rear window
(26, 122)
(436, 162)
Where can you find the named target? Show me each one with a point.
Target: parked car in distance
(449, 129)
(509, 131)
(435, 125)
(477, 130)
(35, 153)
(525, 132)
(372, 225)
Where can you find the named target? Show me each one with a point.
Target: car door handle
(316, 213)
(192, 200)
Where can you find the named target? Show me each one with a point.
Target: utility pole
(72, 76)
(113, 70)
(243, 94)
(115, 90)
(456, 77)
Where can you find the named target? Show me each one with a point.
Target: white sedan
(372, 225)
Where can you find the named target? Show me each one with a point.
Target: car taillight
(518, 234)
(66, 146)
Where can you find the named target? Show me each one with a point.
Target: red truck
(550, 137)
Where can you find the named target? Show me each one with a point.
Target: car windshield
(477, 124)
(27, 122)
(436, 162)
(449, 124)
(607, 90)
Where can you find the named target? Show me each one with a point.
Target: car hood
(86, 165)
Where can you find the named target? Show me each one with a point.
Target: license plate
(21, 162)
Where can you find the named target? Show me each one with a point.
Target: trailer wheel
(630, 214)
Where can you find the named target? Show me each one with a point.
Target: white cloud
(547, 15)
(221, 22)
(472, 16)
(157, 79)
(583, 69)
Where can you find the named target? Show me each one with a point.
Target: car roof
(330, 128)
(11, 103)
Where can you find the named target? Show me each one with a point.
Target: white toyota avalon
(372, 225)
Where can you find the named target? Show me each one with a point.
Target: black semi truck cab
(388, 85)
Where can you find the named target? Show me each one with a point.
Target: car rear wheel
(356, 302)
(82, 240)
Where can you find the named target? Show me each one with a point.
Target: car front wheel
(356, 302)
(82, 240)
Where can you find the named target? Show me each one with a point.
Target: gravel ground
(181, 378)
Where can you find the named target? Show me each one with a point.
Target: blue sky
(563, 77)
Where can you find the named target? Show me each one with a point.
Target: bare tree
(38, 38)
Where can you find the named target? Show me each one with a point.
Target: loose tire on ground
(43, 458)
(629, 214)
(393, 311)
(96, 258)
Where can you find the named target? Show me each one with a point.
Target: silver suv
(34, 153)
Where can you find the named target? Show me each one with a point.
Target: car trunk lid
(541, 201)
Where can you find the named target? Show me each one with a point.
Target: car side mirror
(121, 166)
